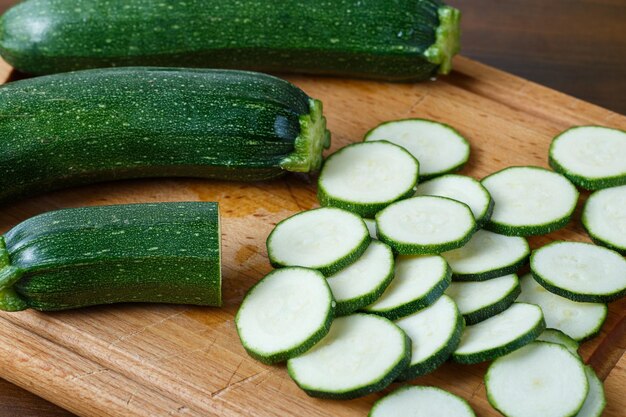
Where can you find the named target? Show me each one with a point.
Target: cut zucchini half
(285, 314)
(366, 177)
(417, 401)
(529, 201)
(580, 271)
(515, 327)
(439, 147)
(425, 225)
(418, 282)
(361, 354)
(371, 227)
(580, 321)
(541, 379)
(595, 402)
(477, 301)
(557, 336)
(327, 239)
(464, 189)
(604, 218)
(435, 333)
(487, 255)
(364, 281)
(592, 157)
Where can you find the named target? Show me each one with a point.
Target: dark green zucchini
(163, 252)
(384, 39)
(104, 124)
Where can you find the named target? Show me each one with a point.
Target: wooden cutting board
(158, 360)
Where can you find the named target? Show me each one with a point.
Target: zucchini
(371, 227)
(558, 337)
(595, 402)
(285, 314)
(98, 125)
(604, 218)
(164, 252)
(416, 401)
(592, 157)
(396, 40)
(540, 379)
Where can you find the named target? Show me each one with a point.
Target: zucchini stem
(447, 43)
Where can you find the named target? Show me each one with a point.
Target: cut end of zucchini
(416, 401)
(447, 43)
(309, 145)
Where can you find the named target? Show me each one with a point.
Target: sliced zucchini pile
(416, 401)
(604, 218)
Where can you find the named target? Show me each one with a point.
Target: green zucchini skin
(97, 125)
(393, 40)
(162, 252)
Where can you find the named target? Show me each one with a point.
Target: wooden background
(573, 45)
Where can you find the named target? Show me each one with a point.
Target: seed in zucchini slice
(439, 148)
(366, 177)
(592, 157)
(327, 239)
(580, 321)
(416, 401)
(604, 218)
(529, 201)
(580, 271)
(361, 354)
(425, 225)
(540, 379)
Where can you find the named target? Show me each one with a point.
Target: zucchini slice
(529, 201)
(557, 336)
(592, 157)
(541, 379)
(464, 189)
(418, 282)
(515, 327)
(364, 178)
(361, 354)
(439, 148)
(580, 321)
(326, 239)
(487, 255)
(285, 314)
(417, 401)
(425, 225)
(364, 281)
(371, 227)
(435, 333)
(580, 271)
(477, 301)
(604, 218)
(595, 402)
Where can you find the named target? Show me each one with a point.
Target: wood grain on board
(154, 360)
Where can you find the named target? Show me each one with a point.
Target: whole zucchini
(164, 252)
(383, 39)
(97, 125)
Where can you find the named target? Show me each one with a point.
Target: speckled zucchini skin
(104, 124)
(392, 39)
(163, 252)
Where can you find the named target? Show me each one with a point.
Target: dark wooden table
(575, 46)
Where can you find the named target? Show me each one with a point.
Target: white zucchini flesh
(557, 336)
(360, 283)
(369, 172)
(594, 154)
(285, 314)
(318, 239)
(438, 147)
(434, 332)
(580, 271)
(461, 188)
(488, 255)
(418, 282)
(475, 297)
(371, 227)
(425, 225)
(515, 327)
(540, 379)
(595, 402)
(361, 354)
(529, 200)
(579, 321)
(604, 217)
(416, 401)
